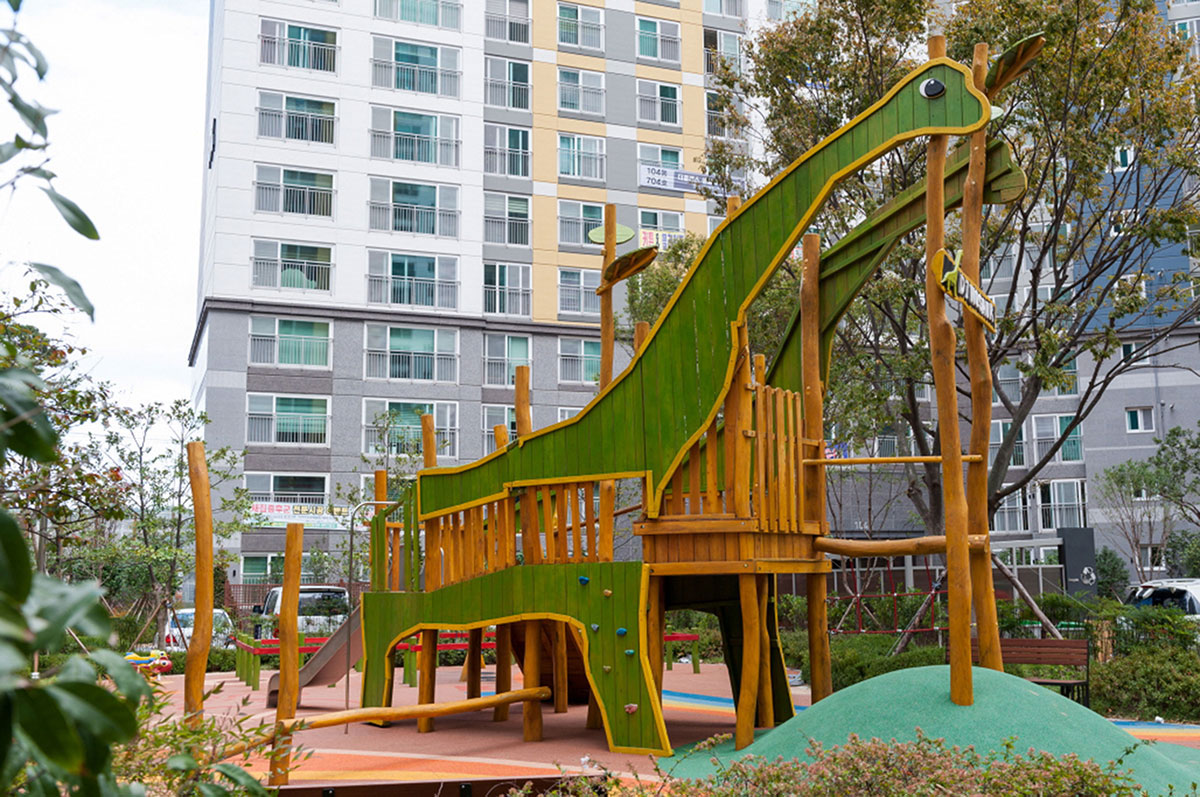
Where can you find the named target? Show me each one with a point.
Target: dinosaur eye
(932, 88)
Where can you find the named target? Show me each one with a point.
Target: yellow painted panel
(545, 224)
(545, 293)
(580, 61)
(582, 193)
(583, 127)
(661, 202)
(545, 89)
(697, 223)
(544, 146)
(568, 259)
(663, 137)
(544, 33)
(648, 72)
(662, 12)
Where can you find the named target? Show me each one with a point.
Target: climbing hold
(608, 593)
(595, 626)
(628, 652)
(621, 632)
(584, 580)
(607, 668)
(630, 708)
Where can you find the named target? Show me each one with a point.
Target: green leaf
(70, 287)
(182, 762)
(74, 216)
(129, 683)
(15, 4)
(6, 726)
(40, 720)
(22, 419)
(33, 114)
(40, 64)
(95, 709)
(16, 569)
(211, 790)
(241, 777)
(8, 150)
(76, 668)
(61, 606)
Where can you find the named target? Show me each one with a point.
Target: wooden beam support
(474, 664)
(912, 546)
(289, 653)
(747, 704)
(531, 713)
(198, 646)
(503, 669)
(560, 666)
(766, 707)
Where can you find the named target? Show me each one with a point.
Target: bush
(219, 660)
(1154, 680)
(792, 611)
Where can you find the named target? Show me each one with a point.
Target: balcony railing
(287, 428)
(306, 275)
(666, 48)
(301, 54)
(658, 109)
(414, 365)
(406, 441)
(1063, 516)
(510, 162)
(308, 499)
(506, 94)
(584, 99)
(574, 230)
(439, 13)
(584, 165)
(296, 126)
(577, 299)
(419, 149)
(413, 292)
(507, 301)
(578, 368)
(1070, 451)
(289, 350)
(713, 60)
(729, 8)
(303, 200)
(1010, 518)
(416, 219)
(716, 124)
(577, 33)
(506, 28)
(501, 371)
(1018, 454)
(415, 77)
(502, 230)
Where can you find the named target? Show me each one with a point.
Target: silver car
(180, 634)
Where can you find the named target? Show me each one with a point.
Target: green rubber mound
(894, 705)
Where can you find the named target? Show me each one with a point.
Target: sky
(127, 78)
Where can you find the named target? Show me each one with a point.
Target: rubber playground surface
(696, 707)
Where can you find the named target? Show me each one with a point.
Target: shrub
(1156, 680)
(792, 611)
(219, 660)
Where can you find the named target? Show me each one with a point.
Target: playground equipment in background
(151, 664)
(248, 655)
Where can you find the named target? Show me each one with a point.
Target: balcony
(506, 94)
(308, 499)
(584, 165)
(658, 47)
(576, 33)
(578, 368)
(507, 162)
(574, 231)
(412, 292)
(507, 301)
(303, 200)
(714, 60)
(287, 429)
(400, 441)
(305, 275)
(412, 365)
(437, 13)
(415, 77)
(1063, 516)
(1018, 454)
(716, 125)
(582, 99)
(502, 230)
(415, 219)
(728, 8)
(279, 51)
(1070, 451)
(506, 28)
(1010, 519)
(662, 110)
(418, 149)
(297, 350)
(296, 126)
(578, 300)
(501, 371)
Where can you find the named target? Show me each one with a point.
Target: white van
(322, 609)
(1174, 593)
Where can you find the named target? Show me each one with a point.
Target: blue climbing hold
(621, 632)
(584, 580)
(628, 652)
(595, 626)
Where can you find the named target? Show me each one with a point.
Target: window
(281, 264)
(295, 118)
(497, 415)
(1007, 380)
(286, 420)
(506, 83)
(413, 280)
(408, 66)
(663, 157)
(1000, 430)
(280, 190)
(427, 355)
(285, 44)
(287, 341)
(394, 427)
(506, 150)
(578, 360)
(576, 220)
(580, 26)
(568, 412)
(780, 9)
(506, 289)
(729, 8)
(580, 91)
(1150, 558)
(1063, 504)
(658, 102)
(413, 208)
(658, 39)
(1123, 159)
(1139, 419)
(438, 13)
(1121, 222)
(577, 291)
(507, 20)
(1013, 513)
(506, 219)
(1189, 30)
(581, 156)
(714, 222)
(417, 137)
(1046, 431)
(1070, 385)
(661, 220)
(289, 488)
(501, 356)
(1128, 350)
(722, 48)
(714, 109)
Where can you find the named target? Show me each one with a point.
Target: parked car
(322, 609)
(1173, 593)
(179, 635)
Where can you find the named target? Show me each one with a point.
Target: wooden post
(427, 658)
(983, 592)
(560, 667)
(531, 713)
(766, 708)
(289, 655)
(655, 615)
(504, 631)
(198, 645)
(747, 704)
(942, 344)
(742, 390)
(608, 487)
(531, 540)
(474, 666)
(813, 486)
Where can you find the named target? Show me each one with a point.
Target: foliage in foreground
(1152, 681)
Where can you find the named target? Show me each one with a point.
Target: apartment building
(397, 201)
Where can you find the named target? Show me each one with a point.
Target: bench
(1070, 652)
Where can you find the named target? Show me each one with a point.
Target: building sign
(956, 285)
(660, 238)
(276, 515)
(668, 179)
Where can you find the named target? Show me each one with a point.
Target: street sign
(956, 285)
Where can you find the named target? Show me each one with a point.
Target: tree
(1182, 554)
(1070, 262)
(1177, 461)
(1129, 493)
(1112, 575)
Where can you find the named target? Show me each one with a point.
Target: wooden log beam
(198, 646)
(531, 714)
(289, 655)
(747, 704)
(912, 546)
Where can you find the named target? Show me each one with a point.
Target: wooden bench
(1070, 652)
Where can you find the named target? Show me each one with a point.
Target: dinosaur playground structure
(728, 453)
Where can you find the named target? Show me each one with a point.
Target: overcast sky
(127, 77)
